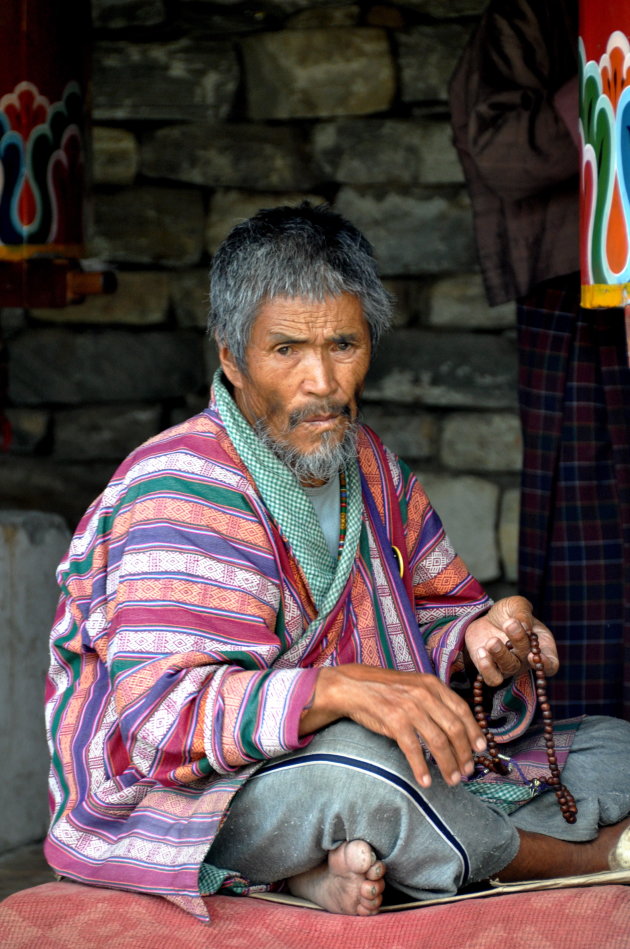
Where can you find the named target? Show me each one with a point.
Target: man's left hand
(509, 620)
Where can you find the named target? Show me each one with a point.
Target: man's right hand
(414, 709)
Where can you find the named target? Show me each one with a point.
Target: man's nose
(319, 376)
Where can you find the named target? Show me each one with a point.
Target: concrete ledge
(31, 545)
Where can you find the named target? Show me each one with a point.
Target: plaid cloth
(574, 389)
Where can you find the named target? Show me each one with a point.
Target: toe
(369, 905)
(376, 871)
(371, 890)
(359, 856)
(363, 910)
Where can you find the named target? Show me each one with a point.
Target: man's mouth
(322, 417)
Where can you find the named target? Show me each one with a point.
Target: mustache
(315, 409)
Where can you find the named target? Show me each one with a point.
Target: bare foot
(542, 857)
(350, 881)
(619, 854)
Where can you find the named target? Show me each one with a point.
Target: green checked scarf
(292, 509)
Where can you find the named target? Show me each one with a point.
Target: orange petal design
(617, 234)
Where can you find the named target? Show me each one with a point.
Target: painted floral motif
(605, 129)
(41, 168)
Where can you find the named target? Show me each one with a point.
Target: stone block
(260, 157)
(459, 301)
(193, 406)
(443, 9)
(225, 18)
(185, 80)
(190, 295)
(467, 507)
(390, 18)
(327, 17)
(116, 14)
(141, 298)
(413, 231)
(149, 225)
(31, 546)
(314, 73)
(29, 428)
(12, 321)
(509, 532)
(482, 441)
(229, 208)
(97, 433)
(292, 7)
(411, 435)
(409, 300)
(426, 59)
(115, 156)
(459, 370)
(63, 489)
(279, 6)
(57, 365)
(387, 152)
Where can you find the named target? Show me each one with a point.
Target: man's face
(306, 365)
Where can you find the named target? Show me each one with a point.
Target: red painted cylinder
(604, 121)
(43, 83)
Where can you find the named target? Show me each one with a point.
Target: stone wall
(204, 112)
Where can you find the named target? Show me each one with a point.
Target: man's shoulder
(376, 459)
(195, 454)
(199, 435)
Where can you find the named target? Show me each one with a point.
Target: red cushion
(73, 916)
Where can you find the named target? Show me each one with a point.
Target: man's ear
(230, 367)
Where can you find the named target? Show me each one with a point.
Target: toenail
(373, 891)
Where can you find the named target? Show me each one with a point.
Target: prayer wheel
(605, 171)
(43, 153)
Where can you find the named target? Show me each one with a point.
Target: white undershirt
(325, 500)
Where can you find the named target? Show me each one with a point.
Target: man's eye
(344, 345)
(283, 350)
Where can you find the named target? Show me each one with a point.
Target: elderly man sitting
(265, 642)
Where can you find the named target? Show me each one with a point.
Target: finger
(409, 744)
(548, 648)
(487, 668)
(511, 608)
(450, 760)
(518, 637)
(475, 739)
(451, 737)
(496, 662)
(508, 661)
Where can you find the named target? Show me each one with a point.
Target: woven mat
(72, 916)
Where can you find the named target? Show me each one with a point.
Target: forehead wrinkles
(301, 318)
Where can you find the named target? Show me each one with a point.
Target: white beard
(323, 463)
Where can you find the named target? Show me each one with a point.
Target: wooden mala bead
(492, 760)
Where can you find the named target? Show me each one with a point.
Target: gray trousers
(350, 783)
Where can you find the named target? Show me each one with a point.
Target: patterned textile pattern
(575, 515)
(184, 651)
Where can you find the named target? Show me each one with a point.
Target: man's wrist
(321, 710)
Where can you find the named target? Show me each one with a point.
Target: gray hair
(303, 251)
